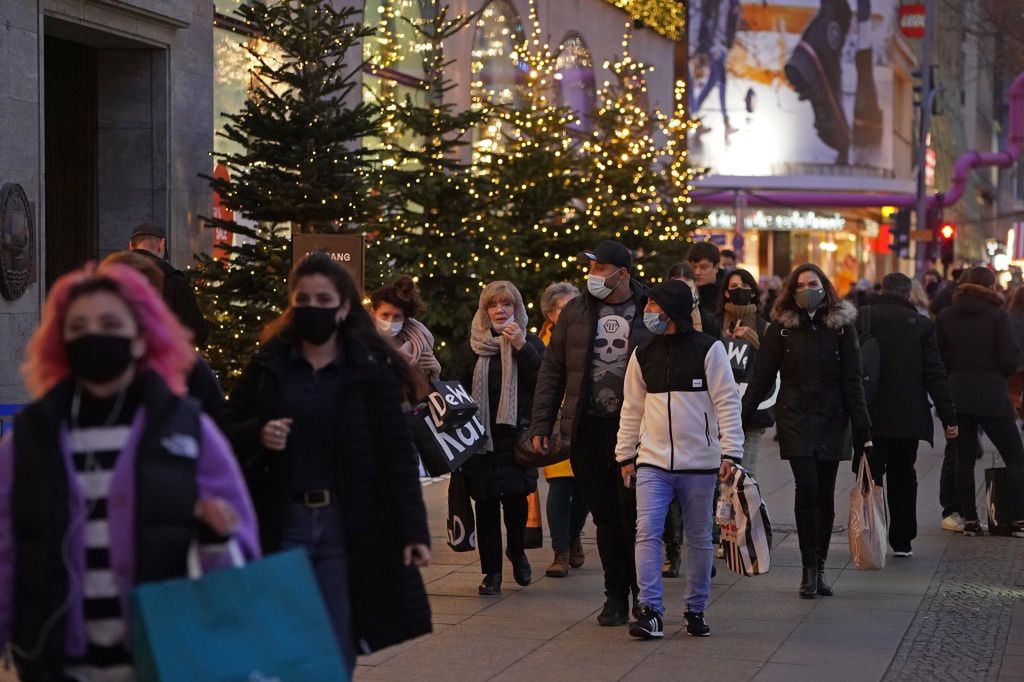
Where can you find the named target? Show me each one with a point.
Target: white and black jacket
(681, 409)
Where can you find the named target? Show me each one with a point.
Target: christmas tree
(296, 164)
(433, 224)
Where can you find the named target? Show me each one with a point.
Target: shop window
(576, 86)
(499, 73)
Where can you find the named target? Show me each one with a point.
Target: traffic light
(947, 239)
(901, 232)
(917, 77)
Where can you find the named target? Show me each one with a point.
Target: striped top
(95, 450)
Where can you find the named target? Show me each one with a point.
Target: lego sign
(344, 249)
(912, 18)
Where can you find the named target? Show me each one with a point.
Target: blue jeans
(567, 511)
(321, 532)
(655, 490)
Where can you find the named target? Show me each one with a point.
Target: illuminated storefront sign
(792, 221)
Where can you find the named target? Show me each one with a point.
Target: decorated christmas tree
(433, 226)
(296, 164)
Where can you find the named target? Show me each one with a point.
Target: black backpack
(870, 356)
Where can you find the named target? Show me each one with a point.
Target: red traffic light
(947, 231)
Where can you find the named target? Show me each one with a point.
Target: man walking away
(680, 416)
(151, 241)
(910, 370)
(585, 365)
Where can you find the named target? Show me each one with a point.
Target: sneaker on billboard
(815, 73)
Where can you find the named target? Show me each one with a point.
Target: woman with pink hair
(107, 478)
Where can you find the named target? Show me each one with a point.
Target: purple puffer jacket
(217, 475)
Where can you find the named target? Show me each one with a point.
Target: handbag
(746, 530)
(997, 501)
(461, 521)
(526, 457)
(869, 521)
(444, 449)
(262, 621)
(451, 404)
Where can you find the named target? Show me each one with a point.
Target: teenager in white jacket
(680, 425)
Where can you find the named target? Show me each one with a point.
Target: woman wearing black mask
(318, 419)
(812, 344)
(742, 330)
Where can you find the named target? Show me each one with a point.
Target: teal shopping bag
(262, 622)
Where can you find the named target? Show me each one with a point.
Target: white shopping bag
(746, 529)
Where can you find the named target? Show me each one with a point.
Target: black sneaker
(648, 624)
(615, 612)
(696, 626)
(973, 528)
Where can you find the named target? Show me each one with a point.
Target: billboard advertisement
(783, 84)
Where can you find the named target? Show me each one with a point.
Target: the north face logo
(182, 445)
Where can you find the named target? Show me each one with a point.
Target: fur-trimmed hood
(979, 292)
(835, 319)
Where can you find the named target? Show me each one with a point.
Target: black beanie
(676, 299)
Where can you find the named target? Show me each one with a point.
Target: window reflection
(575, 78)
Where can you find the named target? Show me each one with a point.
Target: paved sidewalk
(955, 611)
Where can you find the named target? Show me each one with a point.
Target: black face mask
(313, 324)
(99, 357)
(931, 288)
(741, 296)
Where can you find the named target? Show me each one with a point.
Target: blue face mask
(654, 323)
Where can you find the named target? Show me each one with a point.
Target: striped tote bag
(747, 532)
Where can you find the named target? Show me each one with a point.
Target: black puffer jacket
(978, 347)
(910, 370)
(565, 372)
(822, 392)
(495, 474)
(378, 484)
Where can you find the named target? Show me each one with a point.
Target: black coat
(202, 384)
(978, 347)
(495, 474)
(910, 370)
(565, 371)
(821, 392)
(378, 484)
(180, 298)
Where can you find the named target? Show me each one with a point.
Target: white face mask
(388, 328)
(597, 288)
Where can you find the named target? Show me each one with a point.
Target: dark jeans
(612, 505)
(948, 498)
(1003, 433)
(895, 458)
(567, 511)
(488, 530)
(321, 532)
(814, 507)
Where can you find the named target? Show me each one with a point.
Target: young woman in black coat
(500, 362)
(812, 344)
(318, 420)
(977, 344)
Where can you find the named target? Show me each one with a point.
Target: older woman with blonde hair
(500, 361)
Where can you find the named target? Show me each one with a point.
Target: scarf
(486, 345)
(745, 315)
(416, 344)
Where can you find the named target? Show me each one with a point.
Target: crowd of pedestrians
(314, 448)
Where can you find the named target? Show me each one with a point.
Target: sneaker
(1017, 529)
(973, 528)
(696, 626)
(648, 624)
(953, 523)
(615, 612)
(903, 553)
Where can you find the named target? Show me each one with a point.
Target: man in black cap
(151, 241)
(681, 423)
(581, 378)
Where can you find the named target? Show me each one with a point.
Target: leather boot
(824, 542)
(809, 583)
(577, 557)
(673, 558)
(491, 585)
(559, 568)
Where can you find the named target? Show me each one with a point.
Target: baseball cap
(611, 252)
(148, 230)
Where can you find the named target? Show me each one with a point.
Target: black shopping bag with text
(461, 522)
(445, 449)
(451, 404)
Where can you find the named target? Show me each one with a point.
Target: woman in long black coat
(812, 343)
(977, 343)
(500, 362)
(318, 421)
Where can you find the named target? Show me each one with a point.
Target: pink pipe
(958, 183)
